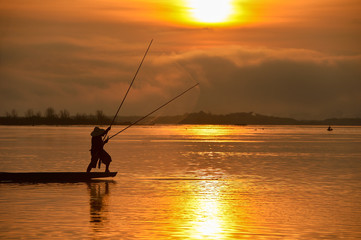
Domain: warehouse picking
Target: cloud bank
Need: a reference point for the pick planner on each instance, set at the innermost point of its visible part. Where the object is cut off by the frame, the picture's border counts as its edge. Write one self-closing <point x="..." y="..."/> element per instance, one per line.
<point x="285" y="82"/>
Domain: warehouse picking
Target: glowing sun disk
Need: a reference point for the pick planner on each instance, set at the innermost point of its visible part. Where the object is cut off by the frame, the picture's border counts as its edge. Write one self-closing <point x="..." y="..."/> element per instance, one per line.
<point x="210" y="11"/>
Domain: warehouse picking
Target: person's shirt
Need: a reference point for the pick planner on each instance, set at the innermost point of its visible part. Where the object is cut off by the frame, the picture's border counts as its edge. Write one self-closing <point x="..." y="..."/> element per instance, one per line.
<point x="97" y="143"/>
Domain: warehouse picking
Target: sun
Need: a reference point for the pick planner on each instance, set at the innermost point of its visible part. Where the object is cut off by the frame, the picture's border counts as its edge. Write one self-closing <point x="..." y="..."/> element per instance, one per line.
<point x="210" y="11"/>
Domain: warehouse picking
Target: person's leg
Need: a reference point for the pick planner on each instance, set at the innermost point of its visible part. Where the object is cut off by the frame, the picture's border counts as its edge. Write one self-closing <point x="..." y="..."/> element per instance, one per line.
<point x="89" y="167"/>
<point x="93" y="163"/>
<point x="106" y="159"/>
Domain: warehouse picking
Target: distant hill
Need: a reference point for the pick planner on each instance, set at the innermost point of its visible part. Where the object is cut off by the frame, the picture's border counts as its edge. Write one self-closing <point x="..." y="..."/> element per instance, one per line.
<point x="236" y="119"/>
<point x="201" y="117"/>
<point x="249" y="118"/>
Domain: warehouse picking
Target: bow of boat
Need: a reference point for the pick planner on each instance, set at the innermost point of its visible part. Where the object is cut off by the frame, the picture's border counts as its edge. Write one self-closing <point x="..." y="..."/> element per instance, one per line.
<point x="53" y="176"/>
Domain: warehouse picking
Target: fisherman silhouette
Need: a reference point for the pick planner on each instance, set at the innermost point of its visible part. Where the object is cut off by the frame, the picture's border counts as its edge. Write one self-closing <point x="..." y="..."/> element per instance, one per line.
<point x="97" y="151"/>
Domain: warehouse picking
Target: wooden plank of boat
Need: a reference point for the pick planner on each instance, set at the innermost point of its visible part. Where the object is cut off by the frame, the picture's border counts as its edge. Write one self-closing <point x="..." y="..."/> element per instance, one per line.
<point x="53" y="176"/>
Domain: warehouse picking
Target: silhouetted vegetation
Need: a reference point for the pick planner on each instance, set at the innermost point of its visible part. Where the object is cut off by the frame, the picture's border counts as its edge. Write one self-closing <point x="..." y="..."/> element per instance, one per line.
<point x="63" y="117"/>
<point x="50" y="117"/>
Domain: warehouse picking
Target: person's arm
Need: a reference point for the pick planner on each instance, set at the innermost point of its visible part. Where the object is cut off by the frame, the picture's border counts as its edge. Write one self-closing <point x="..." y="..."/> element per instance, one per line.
<point x="105" y="133"/>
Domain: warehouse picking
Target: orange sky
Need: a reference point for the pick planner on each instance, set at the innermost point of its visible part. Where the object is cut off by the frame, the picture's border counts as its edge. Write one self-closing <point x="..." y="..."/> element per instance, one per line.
<point x="290" y="58"/>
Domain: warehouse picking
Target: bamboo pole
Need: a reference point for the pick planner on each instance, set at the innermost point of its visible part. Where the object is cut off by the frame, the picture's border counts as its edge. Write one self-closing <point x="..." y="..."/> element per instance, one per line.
<point x="154" y="110"/>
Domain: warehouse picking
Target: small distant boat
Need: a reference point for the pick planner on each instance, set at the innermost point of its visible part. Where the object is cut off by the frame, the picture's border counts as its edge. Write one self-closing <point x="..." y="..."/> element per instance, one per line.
<point x="329" y="128"/>
<point x="53" y="176"/>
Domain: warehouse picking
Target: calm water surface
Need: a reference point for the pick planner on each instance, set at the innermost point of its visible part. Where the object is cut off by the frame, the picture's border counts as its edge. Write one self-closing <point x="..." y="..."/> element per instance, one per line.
<point x="187" y="182"/>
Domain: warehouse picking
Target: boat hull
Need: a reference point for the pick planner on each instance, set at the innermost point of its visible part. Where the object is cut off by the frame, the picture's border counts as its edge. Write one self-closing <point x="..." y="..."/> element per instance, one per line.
<point x="53" y="176"/>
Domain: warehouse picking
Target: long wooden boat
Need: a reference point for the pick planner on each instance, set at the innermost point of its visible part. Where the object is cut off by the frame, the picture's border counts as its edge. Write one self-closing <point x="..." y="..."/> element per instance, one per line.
<point x="53" y="176"/>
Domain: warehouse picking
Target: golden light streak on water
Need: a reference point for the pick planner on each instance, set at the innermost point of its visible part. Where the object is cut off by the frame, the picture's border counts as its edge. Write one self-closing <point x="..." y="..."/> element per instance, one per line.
<point x="209" y="214"/>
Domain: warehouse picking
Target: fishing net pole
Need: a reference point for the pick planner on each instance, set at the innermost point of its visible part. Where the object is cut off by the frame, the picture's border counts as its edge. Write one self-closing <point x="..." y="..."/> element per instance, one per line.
<point x="126" y="94"/>
<point x="165" y="104"/>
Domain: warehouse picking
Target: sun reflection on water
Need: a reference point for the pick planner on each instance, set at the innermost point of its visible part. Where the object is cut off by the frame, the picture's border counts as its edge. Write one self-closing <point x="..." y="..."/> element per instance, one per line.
<point x="209" y="130"/>
<point x="209" y="218"/>
<point x="208" y="221"/>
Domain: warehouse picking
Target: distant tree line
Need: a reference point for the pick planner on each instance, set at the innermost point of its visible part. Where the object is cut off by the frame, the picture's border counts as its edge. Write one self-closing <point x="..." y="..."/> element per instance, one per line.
<point x="51" y="117"/>
<point x="63" y="117"/>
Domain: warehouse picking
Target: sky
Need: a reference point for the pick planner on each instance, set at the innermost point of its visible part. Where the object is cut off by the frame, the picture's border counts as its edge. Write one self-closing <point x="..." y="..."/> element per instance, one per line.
<point x="299" y="59"/>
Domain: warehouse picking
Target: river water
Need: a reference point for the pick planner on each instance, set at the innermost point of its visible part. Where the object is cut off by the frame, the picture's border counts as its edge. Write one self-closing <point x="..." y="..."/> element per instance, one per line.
<point x="186" y="182"/>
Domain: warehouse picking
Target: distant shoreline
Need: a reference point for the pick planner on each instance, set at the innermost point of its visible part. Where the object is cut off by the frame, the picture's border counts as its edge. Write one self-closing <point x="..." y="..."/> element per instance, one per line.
<point x="199" y="118"/>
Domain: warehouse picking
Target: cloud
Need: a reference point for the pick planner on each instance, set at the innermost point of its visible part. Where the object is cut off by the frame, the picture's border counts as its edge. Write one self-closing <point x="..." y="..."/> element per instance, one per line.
<point x="288" y="82"/>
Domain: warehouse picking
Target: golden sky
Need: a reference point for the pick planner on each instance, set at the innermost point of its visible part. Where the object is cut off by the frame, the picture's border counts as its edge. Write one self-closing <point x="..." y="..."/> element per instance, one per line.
<point x="290" y="58"/>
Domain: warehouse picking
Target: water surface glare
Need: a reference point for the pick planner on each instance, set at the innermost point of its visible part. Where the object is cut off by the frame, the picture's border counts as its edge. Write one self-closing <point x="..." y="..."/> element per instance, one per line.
<point x="186" y="182"/>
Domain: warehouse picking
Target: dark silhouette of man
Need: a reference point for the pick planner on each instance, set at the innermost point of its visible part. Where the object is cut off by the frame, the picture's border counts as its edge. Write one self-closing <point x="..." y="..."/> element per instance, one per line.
<point x="97" y="151"/>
